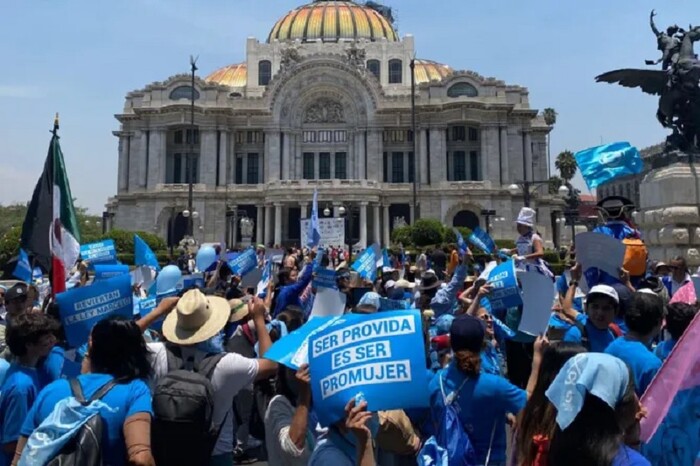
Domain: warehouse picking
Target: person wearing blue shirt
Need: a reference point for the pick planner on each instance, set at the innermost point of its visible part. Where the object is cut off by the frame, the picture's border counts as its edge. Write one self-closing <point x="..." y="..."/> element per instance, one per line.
<point x="117" y="352"/>
<point x="30" y="338"/>
<point x="290" y="288"/>
<point x="484" y="399"/>
<point x="644" y="318"/>
<point x="442" y="300"/>
<point x="679" y="276"/>
<point x="678" y="318"/>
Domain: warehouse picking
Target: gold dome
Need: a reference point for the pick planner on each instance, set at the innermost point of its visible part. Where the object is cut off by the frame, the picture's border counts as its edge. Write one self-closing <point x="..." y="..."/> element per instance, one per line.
<point x="232" y="75"/>
<point x="428" y="70"/>
<point x="331" y="21"/>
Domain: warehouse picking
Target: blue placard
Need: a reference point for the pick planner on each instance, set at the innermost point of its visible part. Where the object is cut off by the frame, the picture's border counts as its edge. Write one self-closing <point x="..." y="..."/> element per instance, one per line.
<point x="505" y="292"/>
<point x="105" y="271"/>
<point x="480" y="239"/>
<point x="147" y="305"/>
<point x="196" y="280"/>
<point x="103" y="252"/>
<point x="292" y="350"/>
<point x="244" y="262"/>
<point x="324" y="278"/>
<point x="379" y="355"/>
<point x="366" y="264"/>
<point x="386" y="304"/>
<point x="81" y="308"/>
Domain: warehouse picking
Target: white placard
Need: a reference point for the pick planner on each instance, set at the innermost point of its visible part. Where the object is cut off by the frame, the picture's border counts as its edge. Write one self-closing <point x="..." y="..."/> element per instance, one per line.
<point x="601" y="251"/>
<point x="332" y="231"/>
<point x="328" y="302"/>
<point x="537" y="302"/>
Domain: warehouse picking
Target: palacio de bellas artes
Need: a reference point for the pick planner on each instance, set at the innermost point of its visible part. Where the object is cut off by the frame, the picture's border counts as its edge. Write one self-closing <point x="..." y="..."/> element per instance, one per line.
<point x="325" y="101"/>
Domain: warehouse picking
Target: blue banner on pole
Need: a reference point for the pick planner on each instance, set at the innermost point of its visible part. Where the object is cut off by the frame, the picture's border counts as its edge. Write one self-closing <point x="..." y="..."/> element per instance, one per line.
<point x="366" y="264"/>
<point x="103" y="252"/>
<point x="380" y="356"/>
<point x="505" y="292"/>
<point x="81" y="308"/>
<point x="482" y="240"/>
<point x="324" y="278"/>
<point x="292" y="350"/>
<point x="105" y="271"/>
<point x="244" y="262"/>
<point x="313" y="235"/>
<point x="23" y="269"/>
<point x="601" y="164"/>
<point x="461" y="244"/>
<point x="144" y="255"/>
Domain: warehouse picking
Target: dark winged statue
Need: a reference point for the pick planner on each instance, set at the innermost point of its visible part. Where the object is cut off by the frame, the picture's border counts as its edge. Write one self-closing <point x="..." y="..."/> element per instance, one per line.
<point x="676" y="84"/>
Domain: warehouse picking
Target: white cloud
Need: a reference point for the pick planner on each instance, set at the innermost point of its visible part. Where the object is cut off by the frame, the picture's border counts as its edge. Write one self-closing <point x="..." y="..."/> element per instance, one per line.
<point x="20" y="92"/>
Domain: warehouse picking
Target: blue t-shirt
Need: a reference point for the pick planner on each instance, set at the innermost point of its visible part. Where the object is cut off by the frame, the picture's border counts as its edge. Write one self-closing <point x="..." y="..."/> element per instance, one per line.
<point x="598" y="339"/>
<point x="629" y="457"/>
<point x="51" y="367"/>
<point x="483" y="403"/>
<point x="643" y="363"/>
<point x="563" y="288"/>
<point x="128" y="399"/>
<point x="491" y="360"/>
<point x="19" y="390"/>
<point x="664" y="348"/>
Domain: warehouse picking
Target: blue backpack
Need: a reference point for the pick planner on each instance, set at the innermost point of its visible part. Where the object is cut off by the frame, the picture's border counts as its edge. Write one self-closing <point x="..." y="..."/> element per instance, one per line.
<point x="450" y="446"/>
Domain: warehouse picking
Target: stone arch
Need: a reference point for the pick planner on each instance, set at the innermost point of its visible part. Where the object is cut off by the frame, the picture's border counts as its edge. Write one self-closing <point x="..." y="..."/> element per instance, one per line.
<point x="463" y="215"/>
<point x="163" y="223"/>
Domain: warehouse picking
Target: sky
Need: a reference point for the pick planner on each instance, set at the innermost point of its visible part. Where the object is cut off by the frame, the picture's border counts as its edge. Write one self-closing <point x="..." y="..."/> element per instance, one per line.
<point x="81" y="57"/>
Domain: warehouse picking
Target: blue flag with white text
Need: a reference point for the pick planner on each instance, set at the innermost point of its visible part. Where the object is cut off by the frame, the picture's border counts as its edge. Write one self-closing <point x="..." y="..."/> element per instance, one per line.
<point x="244" y="262"/>
<point x="144" y="255"/>
<point x="313" y="236"/>
<point x="23" y="269"/>
<point x="366" y="264"/>
<point x="482" y="240"/>
<point x="604" y="163"/>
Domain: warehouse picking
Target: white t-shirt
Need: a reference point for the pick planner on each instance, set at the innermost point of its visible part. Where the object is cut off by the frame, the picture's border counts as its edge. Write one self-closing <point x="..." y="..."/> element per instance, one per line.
<point x="281" y="450"/>
<point x="231" y="374"/>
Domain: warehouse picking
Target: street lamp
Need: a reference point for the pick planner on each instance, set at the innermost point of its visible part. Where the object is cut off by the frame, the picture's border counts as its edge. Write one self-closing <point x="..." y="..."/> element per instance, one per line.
<point x="527" y="188"/>
<point x="326" y="212"/>
<point x="487" y="214"/>
<point x="348" y="212"/>
<point x="190" y="155"/>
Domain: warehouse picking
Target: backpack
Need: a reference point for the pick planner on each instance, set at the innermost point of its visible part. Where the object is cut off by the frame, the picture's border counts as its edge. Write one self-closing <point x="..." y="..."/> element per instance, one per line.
<point x="182" y="428"/>
<point x="450" y="435"/>
<point x="636" y="253"/>
<point x="72" y="434"/>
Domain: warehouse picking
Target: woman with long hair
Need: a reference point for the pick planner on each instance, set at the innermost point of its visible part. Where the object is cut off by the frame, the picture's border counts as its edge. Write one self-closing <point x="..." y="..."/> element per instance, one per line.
<point x="117" y="359"/>
<point x="596" y="410"/>
<point x="535" y="424"/>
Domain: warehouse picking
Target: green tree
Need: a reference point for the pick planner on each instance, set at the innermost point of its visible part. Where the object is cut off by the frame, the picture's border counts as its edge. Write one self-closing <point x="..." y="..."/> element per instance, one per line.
<point x="554" y="183"/>
<point x="9" y="244"/>
<point x="567" y="166"/>
<point x="402" y="235"/>
<point x="427" y="232"/>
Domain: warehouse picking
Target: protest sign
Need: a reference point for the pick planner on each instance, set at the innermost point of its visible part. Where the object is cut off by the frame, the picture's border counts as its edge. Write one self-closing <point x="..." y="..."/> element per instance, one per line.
<point x="275" y="255"/>
<point x="537" y="302"/>
<point x="195" y="280"/>
<point x="244" y="262"/>
<point x="292" y="350"/>
<point x="103" y="252"/>
<point x="146" y="306"/>
<point x="81" y="308"/>
<point x="251" y="279"/>
<point x="366" y="264"/>
<point x="105" y="271"/>
<point x="600" y="251"/>
<point x="144" y="276"/>
<point x="480" y="239"/>
<point x="505" y="292"/>
<point x="378" y="355"/>
<point x="325" y="278"/>
<point x="386" y="304"/>
<point x="328" y="302"/>
<point x="670" y="428"/>
<point x="265" y="279"/>
<point x="332" y="231"/>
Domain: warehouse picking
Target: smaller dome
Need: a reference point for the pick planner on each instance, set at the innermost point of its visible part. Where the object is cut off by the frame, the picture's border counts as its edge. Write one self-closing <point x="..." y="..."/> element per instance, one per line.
<point x="428" y="70"/>
<point x="232" y="75"/>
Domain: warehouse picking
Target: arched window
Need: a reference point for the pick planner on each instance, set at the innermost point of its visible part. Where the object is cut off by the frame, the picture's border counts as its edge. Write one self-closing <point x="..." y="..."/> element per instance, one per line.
<point x="395" y="71"/>
<point x="462" y="89"/>
<point x="375" y="67"/>
<point x="465" y="218"/>
<point x="264" y="72"/>
<point x="183" y="92"/>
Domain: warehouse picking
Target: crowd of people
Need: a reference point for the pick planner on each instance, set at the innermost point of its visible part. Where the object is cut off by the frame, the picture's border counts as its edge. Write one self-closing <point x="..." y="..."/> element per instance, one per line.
<point x="567" y="397"/>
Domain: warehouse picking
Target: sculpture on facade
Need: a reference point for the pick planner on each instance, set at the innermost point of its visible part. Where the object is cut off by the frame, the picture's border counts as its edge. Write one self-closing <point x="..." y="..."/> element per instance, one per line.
<point x="247" y="226"/>
<point x="676" y="84"/>
<point x="324" y="110"/>
<point x="356" y="56"/>
<point x="399" y="221"/>
<point x="290" y="56"/>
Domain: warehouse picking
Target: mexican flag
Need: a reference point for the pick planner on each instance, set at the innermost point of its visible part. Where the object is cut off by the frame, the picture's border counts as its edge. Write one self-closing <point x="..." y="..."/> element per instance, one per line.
<point x="50" y="230"/>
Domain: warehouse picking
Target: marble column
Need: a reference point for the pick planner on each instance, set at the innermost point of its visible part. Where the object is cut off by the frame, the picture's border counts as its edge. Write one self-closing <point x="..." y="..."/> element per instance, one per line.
<point x="304" y="210"/>
<point x="387" y="238"/>
<point x="157" y="159"/>
<point x="422" y="156"/>
<point x="137" y="161"/>
<point x="412" y="214"/>
<point x="363" y="225"/>
<point x="223" y="157"/>
<point x="527" y="141"/>
<point x="377" y="224"/>
<point x="268" y="225"/>
<point x="360" y="157"/>
<point x="504" y="171"/>
<point x="121" y="185"/>
<point x="234" y="227"/>
<point x="286" y="154"/>
<point x="351" y="169"/>
<point x="207" y="158"/>
<point x="272" y="156"/>
<point x="278" y="224"/>
<point x="438" y="148"/>
<point x="259" y="225"/>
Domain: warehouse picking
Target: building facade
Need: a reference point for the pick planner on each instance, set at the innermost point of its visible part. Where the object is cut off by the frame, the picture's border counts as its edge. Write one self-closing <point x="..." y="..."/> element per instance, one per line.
<point x="325" y="102"/>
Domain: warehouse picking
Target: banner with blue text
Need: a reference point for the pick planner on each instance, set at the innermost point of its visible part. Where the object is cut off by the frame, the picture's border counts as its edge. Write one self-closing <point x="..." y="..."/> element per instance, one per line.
<point x="105" y="271"/>
<point x="380" y="356"/>
<point x="505" y="292"/>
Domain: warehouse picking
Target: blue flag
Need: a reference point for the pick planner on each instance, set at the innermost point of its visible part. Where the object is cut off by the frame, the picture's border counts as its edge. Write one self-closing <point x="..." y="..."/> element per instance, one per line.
<point x="143" y="255"/>
<point x="313" y="236"/>
<point x="366" y="264"/>
<point x="604" y="163"/>
<point x="480" y="239"/>
<point x="386" y="261"/>
<point x="461" y="244"/>
<point x="23" y="269"/>
<point x="244" y="262"/>
<point x="265" y="280"/>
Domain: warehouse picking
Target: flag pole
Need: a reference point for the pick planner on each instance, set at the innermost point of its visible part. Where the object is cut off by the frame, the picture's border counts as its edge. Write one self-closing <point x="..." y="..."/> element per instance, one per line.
<point x="54" y="132"/>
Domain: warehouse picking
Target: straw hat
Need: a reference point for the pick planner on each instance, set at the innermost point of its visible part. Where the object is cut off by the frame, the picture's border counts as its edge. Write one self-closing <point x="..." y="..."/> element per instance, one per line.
<point x="239" y="310"/>
<point x="196" y="318"/>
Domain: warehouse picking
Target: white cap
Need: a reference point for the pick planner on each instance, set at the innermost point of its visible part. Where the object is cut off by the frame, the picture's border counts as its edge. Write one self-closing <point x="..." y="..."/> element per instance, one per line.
<point x="606" y="291"/>
<point x="390" y="284"/>
<point x="526" y="217"/>
<point x="403" y="283"/>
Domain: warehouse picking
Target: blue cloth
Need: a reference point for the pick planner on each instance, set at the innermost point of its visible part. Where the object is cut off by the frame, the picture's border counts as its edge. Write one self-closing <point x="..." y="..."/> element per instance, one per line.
<point x="23" y="270"/>
<point x="446" y="298"/>
<point x="643" y="363"/>
<point x="326" y="453"/>
<point x="128" y="399"/>
<point x="629" y="457"/>
<point x="598" y="339"/>
<point x="4" y="367"/>
<point x="483" y="403"/>
<point x="491" y="360"/>
<point x="313" y="234"/>
<point x="607" y="162"/>
<point x="19" y="390"/>
<point x="602" y="375"/>
<point x="51" y="367"/>
<point x="289" y="294"/>
<point x="664" y="348"/>
<point x="618" y="229"/>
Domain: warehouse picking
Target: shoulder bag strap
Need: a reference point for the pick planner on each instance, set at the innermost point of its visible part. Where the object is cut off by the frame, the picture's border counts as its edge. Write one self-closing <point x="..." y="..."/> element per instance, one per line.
<point x="208" y="364"/>
<point x="174" y="357"/>
<point x="77" y="391"/>
<point x="102" y="391"/>
<point x="448" y="399"/>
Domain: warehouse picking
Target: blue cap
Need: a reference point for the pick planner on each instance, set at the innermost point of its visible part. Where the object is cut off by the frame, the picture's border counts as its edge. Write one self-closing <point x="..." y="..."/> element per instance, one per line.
<point x="443" y="323"/>
<point x="467" y="333"/>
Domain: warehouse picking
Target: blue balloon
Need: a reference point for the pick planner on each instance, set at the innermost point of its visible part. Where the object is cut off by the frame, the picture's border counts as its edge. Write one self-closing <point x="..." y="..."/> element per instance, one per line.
<point x="205" y="257"/>
<point x="167" y="279"/>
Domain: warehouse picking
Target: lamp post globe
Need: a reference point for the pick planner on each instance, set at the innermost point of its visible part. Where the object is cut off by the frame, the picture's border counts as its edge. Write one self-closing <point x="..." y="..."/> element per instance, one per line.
<point x="514" y="189"/>
<point x="186" y="213"/>
<point x="195" y="214"/>
<point x="563" y="191"/>
<point x="341" y="210"/>
<point x="327" y="212"/>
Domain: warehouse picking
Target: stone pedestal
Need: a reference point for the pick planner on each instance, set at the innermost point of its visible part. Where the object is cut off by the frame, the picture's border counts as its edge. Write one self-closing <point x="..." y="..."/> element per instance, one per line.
<point x="668" y="215"/>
